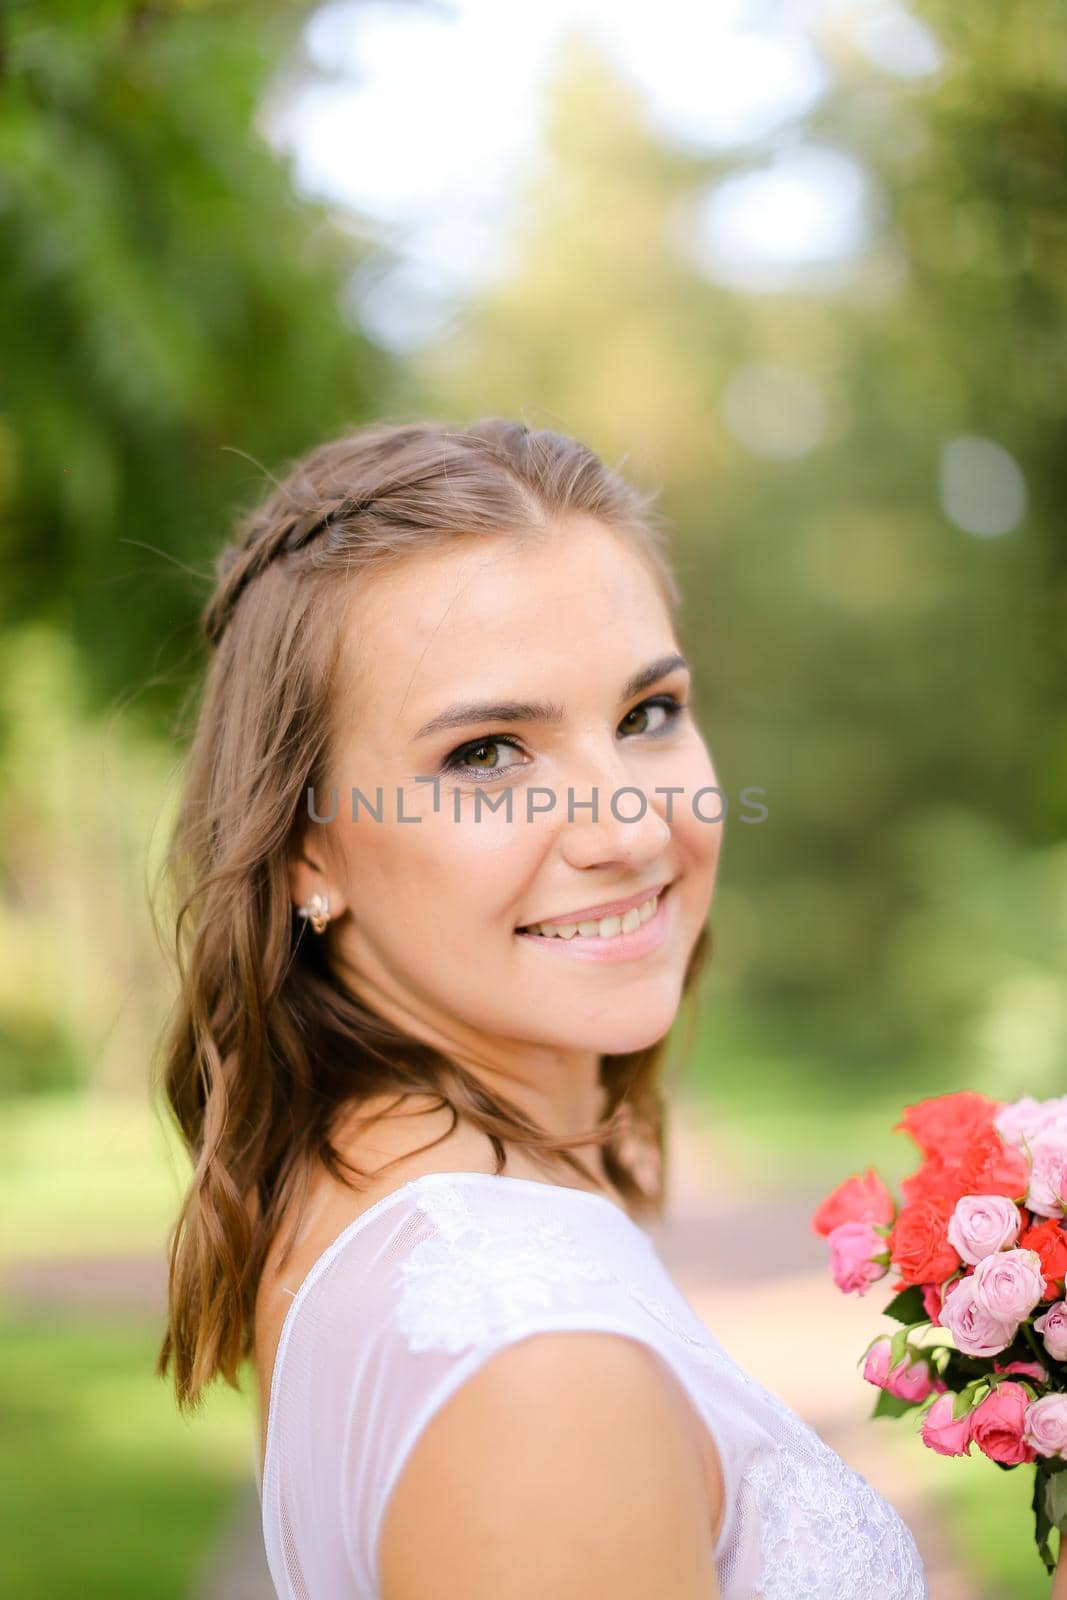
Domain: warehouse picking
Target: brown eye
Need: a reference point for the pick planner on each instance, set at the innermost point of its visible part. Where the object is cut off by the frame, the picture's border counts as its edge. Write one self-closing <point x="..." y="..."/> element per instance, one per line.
<point x="667" y="704"/>
<point x="469" y="757"/>
<point x="476" y="750"/>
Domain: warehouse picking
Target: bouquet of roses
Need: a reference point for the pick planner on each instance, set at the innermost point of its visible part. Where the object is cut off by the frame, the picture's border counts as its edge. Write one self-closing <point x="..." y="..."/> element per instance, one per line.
<point x="978" y="1246"/>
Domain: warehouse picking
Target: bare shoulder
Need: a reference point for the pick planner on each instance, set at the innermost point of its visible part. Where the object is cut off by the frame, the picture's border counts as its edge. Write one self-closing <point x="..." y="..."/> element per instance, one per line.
<point x="567" y="1465"/>
<point x="392" y="1140"/>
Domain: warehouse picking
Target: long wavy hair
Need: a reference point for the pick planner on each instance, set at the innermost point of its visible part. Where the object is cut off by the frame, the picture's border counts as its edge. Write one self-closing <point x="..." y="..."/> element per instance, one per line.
<point x="264" y="1045"/>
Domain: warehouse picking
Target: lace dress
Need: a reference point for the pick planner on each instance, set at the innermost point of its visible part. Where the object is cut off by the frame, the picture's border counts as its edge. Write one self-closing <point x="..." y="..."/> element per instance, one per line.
<point x="425" y="1285"/>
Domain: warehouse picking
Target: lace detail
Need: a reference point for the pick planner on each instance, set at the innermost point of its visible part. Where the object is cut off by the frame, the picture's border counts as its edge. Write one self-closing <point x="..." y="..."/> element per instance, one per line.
<point x="472" y="1281"/>
<point x="825" y="1534"/>
<point x="475" y="1280"/>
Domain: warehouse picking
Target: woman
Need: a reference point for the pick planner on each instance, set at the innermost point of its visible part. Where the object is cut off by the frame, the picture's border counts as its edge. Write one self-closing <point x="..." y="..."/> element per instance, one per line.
<point x="447" y="850"/>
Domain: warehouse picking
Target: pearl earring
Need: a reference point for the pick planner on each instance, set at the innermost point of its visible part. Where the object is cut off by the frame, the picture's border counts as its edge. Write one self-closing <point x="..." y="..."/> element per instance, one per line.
<point x="317" y="912"/>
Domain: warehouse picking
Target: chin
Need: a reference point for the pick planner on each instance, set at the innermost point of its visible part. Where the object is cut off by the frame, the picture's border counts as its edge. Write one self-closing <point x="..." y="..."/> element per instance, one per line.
<point x="625" y="1033"/>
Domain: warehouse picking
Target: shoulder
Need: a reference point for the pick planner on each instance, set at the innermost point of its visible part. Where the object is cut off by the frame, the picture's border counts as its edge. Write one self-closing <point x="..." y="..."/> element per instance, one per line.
<point x="572" y="1468"/>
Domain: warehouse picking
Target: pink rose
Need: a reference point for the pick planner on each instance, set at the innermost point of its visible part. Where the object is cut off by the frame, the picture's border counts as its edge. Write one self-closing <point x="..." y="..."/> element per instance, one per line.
<point x="876" y="1366"/>
<point x="975" y="1329"/>
<point x="1053" y="1329"/>
<point x="1009" y="1284"/>
<point x="1047" y="1195"/>
<point x="947" y="1435"/>
<point x="983" y="1224"/>
<point x="1046" y="1425"/>
<point x="1025" y="1369"/>
<point x="932" y="1302"/>
<point x="997" y="1425"/>
<point x="1023" y="1120"/>
<point x="912" y="1380"/>
<point x="853" y="1245"/>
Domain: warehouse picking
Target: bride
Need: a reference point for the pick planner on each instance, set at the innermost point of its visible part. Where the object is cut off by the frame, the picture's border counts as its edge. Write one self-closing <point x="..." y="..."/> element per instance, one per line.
<point x="445" y="859"/>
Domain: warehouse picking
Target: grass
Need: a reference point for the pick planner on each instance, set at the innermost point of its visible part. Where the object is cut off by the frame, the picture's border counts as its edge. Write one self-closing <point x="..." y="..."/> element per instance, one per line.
<point x="86" y="1174"/>
<point x="108" y="1494"/>
<point x="990" y="1517"/>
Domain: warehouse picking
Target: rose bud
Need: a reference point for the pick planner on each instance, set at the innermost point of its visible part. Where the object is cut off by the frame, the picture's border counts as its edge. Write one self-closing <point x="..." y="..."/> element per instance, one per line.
<point x="948" y="1435"/>
<point x="1045" y="1428"/>
<point x="997" y="1425"/>
<point x="1053" y="1329"/>
<point x="853" y="1246"/>
<point x="876" y="1365"/>
<point x="911" y="1379"/>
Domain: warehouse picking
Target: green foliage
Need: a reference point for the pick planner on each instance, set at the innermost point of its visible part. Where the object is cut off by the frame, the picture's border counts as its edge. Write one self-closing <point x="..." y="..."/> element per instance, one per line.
<point x="895" y="684"/>
<point x="92" y="1437"/>
<point x="169" y="317"/>
<point x="907" y="1306"/>
<point x="890" y="1405"/>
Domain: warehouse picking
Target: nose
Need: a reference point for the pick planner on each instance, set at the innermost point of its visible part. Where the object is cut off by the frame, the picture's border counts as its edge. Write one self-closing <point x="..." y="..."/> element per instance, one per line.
<point x="611" y="819"/>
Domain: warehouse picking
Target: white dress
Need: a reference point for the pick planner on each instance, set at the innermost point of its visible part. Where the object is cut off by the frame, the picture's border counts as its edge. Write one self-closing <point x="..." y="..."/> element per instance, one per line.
<point x="415" y="1294"/>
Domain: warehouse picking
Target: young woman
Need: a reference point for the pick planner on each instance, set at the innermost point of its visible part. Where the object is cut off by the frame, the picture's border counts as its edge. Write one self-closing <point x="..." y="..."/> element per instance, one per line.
<point x="446" y="854"/>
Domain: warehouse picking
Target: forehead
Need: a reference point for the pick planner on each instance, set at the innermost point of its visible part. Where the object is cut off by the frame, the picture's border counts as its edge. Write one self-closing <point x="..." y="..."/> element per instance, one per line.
<point x="474" y="615"/>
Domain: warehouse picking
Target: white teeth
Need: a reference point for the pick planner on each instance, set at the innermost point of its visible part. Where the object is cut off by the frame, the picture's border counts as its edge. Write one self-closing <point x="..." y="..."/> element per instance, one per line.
<point x="605" y="928"/>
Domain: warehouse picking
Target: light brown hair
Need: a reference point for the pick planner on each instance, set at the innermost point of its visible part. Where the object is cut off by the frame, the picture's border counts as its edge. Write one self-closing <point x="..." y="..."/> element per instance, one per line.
<point x="264" y="1046"/>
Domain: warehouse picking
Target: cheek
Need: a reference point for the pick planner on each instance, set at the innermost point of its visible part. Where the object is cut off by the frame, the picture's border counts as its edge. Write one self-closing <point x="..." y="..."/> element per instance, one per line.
<point x="699" y="813"/>
<point x="439" y="874"/>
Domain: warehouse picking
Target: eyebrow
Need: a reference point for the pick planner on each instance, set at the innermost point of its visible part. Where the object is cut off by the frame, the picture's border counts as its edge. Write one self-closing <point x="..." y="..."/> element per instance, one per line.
<point x="467" y="711"/>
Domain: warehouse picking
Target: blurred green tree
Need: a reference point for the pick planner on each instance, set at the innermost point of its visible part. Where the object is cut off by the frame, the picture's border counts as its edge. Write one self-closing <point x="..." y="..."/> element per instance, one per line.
<point x="888" y="676"/>
<point x="170" y="318"/>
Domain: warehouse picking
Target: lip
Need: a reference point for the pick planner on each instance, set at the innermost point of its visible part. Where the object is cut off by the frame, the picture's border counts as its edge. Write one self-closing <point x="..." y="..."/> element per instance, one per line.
<point x="645" y="939"/>
<point x="597" y="913"/>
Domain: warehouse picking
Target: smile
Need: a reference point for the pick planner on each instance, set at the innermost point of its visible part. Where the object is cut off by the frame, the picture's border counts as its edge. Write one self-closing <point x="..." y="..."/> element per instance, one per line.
<point x="638" y="932"/>
<point x="597" y="927"/>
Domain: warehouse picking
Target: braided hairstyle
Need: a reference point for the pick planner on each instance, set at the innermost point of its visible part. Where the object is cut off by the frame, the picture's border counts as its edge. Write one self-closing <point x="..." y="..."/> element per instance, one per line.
<point x="265" y="1046"/>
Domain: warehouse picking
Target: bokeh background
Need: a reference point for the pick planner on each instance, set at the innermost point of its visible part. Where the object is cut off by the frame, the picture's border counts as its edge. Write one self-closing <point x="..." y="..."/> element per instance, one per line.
<point x="803" y="267"/>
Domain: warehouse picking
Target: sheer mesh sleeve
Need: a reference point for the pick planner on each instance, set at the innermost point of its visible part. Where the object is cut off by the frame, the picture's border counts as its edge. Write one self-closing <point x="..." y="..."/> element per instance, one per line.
<point x="428" y="1284"/>
<point x="391" y="1322"/>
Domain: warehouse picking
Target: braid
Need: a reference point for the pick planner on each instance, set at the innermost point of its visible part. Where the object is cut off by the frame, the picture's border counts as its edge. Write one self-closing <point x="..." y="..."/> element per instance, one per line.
<point x="266" y="537"/>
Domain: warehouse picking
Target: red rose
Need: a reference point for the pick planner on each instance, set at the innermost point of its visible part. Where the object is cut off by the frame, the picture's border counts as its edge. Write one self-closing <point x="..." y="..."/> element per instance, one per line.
<point x="1049" y="1239"/>
<point x="858" y="1199"/>
<point x="992" y="1167"/>
<point x="949" y="1124"/>
<point x="935" y="1179"/>
<point x="988" y="1166"/>
<point x="932" y="1302"/>
<point x="919" y="1245"/>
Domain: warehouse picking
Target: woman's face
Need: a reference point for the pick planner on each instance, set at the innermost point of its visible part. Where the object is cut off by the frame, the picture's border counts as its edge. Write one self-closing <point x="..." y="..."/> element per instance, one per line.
<point x="436" y="898"/>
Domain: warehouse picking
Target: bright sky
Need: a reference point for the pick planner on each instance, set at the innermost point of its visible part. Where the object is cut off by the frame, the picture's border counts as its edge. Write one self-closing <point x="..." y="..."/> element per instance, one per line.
<point x="426" y="114"/>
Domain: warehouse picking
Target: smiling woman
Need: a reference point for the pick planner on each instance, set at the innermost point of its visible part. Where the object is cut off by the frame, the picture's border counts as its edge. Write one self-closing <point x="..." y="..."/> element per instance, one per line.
<point x="375" y="1020"/>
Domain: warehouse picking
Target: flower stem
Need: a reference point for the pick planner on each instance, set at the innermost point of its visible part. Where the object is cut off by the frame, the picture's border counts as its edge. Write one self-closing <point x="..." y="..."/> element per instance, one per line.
<point x="1029" y="1336"/>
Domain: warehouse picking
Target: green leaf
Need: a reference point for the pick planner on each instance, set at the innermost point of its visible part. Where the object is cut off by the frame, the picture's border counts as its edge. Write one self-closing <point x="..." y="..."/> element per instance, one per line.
<point x="1042" y="1521"/>
<point x="962" y="1403"/>
<point x="898" y="1347"/>
<point x="888" y="1405"/>
<point x="907" y="1306"/>
<point x="1056" y="1498"/>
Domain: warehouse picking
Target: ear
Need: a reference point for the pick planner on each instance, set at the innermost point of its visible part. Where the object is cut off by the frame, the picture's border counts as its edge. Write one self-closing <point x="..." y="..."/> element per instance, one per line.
<point x="312" y="871"/>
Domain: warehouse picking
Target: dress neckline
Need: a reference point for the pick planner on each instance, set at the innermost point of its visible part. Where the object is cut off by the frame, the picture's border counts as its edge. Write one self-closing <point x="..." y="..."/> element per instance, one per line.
<point x="332" y="1250"/>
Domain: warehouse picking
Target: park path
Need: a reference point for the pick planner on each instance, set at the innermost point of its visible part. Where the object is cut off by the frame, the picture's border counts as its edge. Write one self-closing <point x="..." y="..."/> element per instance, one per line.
<point x="754" y="1273"/>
